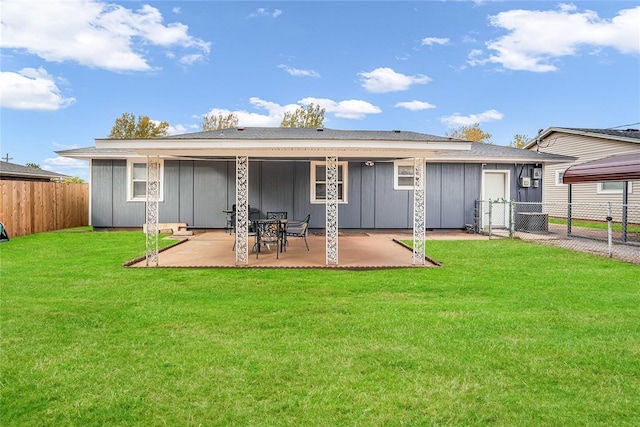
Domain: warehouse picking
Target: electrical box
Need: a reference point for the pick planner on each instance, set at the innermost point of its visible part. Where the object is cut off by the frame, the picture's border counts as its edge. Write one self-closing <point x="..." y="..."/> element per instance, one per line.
<point x="537" y="173"/>
<point x="525" y="182"/>
<point x="536" y="183"/>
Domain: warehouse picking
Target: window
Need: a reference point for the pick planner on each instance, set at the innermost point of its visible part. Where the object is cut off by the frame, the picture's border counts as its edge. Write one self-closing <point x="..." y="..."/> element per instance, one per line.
<point x="319" y="182"/>
<point x="559" y="176"/>
<point x="137" y="180"/>
<point x="612" y="188"/>
<point x="403" y="174"/>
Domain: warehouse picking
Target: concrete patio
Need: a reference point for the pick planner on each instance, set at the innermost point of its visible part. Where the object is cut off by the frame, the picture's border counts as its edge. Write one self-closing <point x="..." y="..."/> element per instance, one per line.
<point x="356" y="250"/>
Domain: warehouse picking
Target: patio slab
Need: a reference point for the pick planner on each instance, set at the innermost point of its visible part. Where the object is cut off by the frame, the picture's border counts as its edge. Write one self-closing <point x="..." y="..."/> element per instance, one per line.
<point x="359" y="250"/>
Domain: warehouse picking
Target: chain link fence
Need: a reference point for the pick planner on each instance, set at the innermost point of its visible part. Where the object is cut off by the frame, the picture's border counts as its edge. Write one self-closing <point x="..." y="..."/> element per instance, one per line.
<point x="605" y="229"/>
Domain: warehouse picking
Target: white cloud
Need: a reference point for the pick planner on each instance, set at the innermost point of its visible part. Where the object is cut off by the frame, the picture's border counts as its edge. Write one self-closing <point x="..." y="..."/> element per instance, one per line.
<point x="456" y="120"/>
<point x="180" y="129"/>
<point x="296" y="72"/>
<point x="428" y="41"/>
<point x="536" y="39"/>
<point x="261" y="11"/>
<point x="91" y="33"/>
<point x="31" y="89"/>
<point x="67" y="166"/>
<point x="347" y="109"/>
<point x="382" y="80"/>
<point x="192" y="58"/>
<point x="415" y="105"/>
<point x="272" y="118"/>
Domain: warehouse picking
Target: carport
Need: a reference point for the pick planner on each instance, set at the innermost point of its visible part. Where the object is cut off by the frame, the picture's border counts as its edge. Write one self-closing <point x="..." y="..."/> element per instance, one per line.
<point x="619" y="168"/>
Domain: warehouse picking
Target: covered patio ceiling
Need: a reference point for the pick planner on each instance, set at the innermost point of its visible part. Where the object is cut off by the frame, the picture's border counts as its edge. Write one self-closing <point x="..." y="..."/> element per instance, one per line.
<point x="622" y="167"/>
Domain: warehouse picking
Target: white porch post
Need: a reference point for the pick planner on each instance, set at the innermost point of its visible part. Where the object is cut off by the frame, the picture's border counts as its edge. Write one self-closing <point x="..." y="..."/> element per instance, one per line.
<point x="242" y="209"/>
<point x="331" y="205"/>
<point x="151" y="216"/>
<point x="418" y="211"/>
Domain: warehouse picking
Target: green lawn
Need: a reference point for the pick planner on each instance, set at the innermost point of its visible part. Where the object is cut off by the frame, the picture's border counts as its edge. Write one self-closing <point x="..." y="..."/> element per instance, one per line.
<point x="600" y="225"/>
<point x="505" y="333"/>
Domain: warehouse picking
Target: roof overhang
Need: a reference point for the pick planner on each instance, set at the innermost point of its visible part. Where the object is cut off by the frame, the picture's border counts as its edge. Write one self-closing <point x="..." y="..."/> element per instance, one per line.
<point x="282" y="148"/>
<point x="624" y="167"/>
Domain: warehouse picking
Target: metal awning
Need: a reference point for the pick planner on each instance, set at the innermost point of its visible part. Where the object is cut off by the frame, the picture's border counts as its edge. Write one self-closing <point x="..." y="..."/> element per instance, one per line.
<point x="623" y="167"/>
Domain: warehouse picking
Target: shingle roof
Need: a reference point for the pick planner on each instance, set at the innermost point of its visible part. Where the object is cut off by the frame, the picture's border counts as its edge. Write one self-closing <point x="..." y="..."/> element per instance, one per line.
<point x="621" y="133"/>
<point x="15" y="170"/>
<point x="627" y="135"/>
<point x="267" y="133"/>
<point x="500" y="153"/>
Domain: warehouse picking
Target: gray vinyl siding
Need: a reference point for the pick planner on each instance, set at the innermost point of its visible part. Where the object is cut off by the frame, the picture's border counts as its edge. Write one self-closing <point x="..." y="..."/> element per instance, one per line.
<point x="451" y="192"/>
<point x="102" y="193"/>
<point x="197" y="192"/>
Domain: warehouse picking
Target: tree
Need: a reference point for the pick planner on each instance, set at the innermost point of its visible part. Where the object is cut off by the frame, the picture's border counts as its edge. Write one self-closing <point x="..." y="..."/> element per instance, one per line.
<point x="519" y="141"/>
<point x="73" y="180"/>
<point x="471" y="133"/>
<point x="33" y="165"/>
<point x="126" y="126"/>
<point x="310" y="117"/>
<point x="212" y="122"/>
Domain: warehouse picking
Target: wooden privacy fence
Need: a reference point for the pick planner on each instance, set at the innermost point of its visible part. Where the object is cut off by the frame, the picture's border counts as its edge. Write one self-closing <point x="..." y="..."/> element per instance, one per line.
<point x="28" y="207"/>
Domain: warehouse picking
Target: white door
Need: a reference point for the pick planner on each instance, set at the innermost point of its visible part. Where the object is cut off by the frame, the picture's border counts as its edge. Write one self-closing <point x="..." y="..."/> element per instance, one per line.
<point x="495" y="187"/>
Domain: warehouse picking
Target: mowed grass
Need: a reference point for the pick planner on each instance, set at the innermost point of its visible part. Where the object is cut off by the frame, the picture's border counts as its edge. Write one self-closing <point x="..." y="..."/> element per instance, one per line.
<point x="505" y="333"/>
<point x="599" y="225"/>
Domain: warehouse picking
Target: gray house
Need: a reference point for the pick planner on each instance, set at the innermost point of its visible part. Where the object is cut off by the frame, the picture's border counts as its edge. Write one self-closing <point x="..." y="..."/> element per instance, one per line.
<point x="287" y="172"/>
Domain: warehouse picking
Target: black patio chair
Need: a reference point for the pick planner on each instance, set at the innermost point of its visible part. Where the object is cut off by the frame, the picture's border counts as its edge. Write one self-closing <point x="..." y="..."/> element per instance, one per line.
<point x="298" y="229"/>
<point x="269" y="232"/>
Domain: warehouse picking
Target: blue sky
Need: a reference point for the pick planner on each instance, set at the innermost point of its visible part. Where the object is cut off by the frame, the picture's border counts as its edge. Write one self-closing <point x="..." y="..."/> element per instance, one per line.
<point x="70" y="68"/>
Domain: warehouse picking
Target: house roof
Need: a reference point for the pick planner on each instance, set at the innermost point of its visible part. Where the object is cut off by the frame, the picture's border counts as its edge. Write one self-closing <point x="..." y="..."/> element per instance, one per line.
<point x="275" y="142"/>
<point x="310" y="143"/>
<point x="501" y="154"/>
<point x="14" y="170"/>
<point x="301" y="134"/>
<point x="623" y="167"/>
<point x="625" y="135"/>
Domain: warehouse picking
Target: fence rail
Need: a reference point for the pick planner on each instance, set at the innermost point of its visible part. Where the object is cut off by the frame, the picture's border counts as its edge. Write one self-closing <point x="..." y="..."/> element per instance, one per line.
<point x="607" y="229"/>
<point x="28" y="207"/>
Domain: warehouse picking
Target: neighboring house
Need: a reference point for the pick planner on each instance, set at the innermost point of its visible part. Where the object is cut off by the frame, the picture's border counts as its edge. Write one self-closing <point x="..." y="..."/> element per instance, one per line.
<point x="15" y="172"/>
<point x="585" y="145"/>
<point x="287" y="173"/>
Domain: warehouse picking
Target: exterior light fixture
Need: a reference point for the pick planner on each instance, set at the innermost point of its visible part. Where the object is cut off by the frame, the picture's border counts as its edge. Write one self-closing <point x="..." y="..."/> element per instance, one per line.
<point x="368" y="163"/>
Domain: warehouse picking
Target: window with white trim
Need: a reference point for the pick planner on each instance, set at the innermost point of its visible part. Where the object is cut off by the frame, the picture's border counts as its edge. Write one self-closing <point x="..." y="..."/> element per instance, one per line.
<point x="403" y="175"/>
<point x="319" y="182"/>
<point x="137" y="180"/>
<point x="559" y="176"/>
<point x="612" y="188"/>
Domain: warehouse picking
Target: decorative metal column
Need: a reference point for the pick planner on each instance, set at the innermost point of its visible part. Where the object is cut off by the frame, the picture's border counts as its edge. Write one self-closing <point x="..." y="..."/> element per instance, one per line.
<point x="242" y="209"/>
<point x="418" y="211"/>
<point x="331" y="204"/>
<point x="151" y="220"/>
